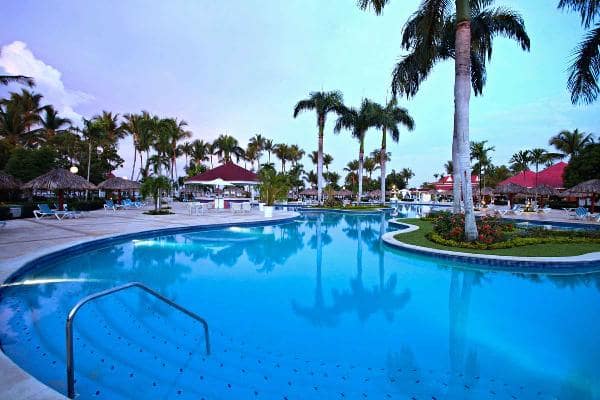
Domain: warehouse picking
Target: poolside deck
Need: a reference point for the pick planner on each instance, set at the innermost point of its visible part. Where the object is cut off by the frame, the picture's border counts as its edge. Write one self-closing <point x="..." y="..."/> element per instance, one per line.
<point x="25" y="239"/>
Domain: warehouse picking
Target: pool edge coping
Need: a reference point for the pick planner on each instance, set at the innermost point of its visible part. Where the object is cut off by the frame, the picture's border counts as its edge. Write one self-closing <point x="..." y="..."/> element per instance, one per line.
<point x="15" y="382"/>
<point x="587" y="261"/>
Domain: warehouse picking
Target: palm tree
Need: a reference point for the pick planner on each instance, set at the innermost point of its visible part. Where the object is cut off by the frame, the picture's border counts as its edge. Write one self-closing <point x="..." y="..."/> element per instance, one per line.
<point x="583" y="77"/>
<point x="322" y="103"/>
<point x="282" y="151"/>
<point x="252" y="153"/>
<point x="269" y="146"/>
<point x="388" y="119"/>
<point x="327" y="160"/>
<point x="570" y="143"/>
<point x="520" y="162"/>
<point x="462" y="30"/>
<point x="132" y="125"/>
<point x="296" y="154"/>
<point x="370" y="165"/>
<point x="52" y="124"/>
<point x="352" y="169"/>
<point x="200" y="152"/>
<point x="537" y="156"/>
<point x="186" y="149"/>
<point x="479" y="152"/>
<point x="226" y="147"/>
<point x="358" y="122"/>
<point x="177" y="132"/>
<point x="406" y="174"/>
<point x="113" y="131"/>
<point x="449" y="167"/>
<point x="258" y="141"/>
<point x="21" y="112"/>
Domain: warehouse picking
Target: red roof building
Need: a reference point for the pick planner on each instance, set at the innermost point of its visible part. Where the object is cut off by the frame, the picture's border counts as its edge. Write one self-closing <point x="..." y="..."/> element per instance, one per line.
<point x="229" y="172"/>
<point x="551" y="176"/>
<point x="446" y="182"/>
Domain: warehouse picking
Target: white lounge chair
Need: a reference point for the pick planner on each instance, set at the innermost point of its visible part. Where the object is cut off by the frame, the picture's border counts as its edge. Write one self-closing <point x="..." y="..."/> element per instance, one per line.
<point x="236" y="207"/>
<point x="246" y="207"/>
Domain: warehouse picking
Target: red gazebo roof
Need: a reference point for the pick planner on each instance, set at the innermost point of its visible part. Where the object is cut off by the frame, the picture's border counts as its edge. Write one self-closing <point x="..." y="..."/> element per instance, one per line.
<point x="446" y="182"/>
<point x="229" y="172"/>
<point x="551" y="176"/>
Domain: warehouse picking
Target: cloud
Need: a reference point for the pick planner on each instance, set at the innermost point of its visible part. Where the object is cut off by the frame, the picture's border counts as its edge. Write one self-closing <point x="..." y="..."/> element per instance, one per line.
<point x="17" y="59"/>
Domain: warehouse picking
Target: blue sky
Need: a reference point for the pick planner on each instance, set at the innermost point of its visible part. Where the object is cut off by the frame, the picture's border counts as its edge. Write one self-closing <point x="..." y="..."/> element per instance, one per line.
<point x="239" y="66"/>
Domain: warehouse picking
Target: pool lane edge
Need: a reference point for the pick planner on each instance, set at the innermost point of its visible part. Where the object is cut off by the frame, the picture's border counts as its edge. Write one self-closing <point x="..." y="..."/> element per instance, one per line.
<point x="584" y="263"/>
<point x="15" y="382"/>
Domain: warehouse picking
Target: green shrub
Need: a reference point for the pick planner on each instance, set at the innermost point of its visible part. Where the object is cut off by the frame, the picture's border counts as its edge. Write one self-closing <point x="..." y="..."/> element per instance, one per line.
<point x="507" y="244"/>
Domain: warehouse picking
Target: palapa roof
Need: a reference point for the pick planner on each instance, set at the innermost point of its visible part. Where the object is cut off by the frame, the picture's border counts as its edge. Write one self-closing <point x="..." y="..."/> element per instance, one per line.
<point x="308" y="192"/>
<point x="487" y="191"/>
<point x="544" y="190"/>
<point x="229" y="172"/>
<point x="551" y="176"/>
<point x="8" y="182"/>
<point x="584" y="189"/>
<point x="59" y="179"/>
<point x="510" y="188"/>
<point x="116" y="183"/>
<point x="343" y="192"/>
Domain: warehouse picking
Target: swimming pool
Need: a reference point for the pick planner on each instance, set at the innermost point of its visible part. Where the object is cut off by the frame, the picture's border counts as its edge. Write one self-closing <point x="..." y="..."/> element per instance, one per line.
<point x="316" y="308"/>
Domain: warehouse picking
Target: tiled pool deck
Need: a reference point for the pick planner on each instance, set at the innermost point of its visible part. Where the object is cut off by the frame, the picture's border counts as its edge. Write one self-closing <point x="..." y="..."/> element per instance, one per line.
<point x="24" y="240"/>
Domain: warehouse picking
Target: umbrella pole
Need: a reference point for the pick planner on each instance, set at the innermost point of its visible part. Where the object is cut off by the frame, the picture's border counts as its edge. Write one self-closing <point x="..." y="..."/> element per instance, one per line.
<point x="61" y="200"/>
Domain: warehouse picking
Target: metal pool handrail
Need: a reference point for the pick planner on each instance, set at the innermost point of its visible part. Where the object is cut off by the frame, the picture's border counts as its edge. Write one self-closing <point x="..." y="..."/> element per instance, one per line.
<point x="82" y="302"/>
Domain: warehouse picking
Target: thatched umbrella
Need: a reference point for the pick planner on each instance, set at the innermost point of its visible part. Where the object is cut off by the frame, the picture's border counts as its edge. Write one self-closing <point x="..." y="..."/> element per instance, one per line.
<point x="585" y="189"/>
<point x="487" y="191"/>
<point x="343" y="193"/>
<point x="308" y="192"/>
<point x="59" y="180"/>
<point x="8" y="182"/>
<point x="510" y="189"/>
<point x="119" y="184"/>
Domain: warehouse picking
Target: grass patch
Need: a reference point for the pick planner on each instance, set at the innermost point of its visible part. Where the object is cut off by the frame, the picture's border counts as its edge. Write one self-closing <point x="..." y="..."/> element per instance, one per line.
<point x="418" y="238"/>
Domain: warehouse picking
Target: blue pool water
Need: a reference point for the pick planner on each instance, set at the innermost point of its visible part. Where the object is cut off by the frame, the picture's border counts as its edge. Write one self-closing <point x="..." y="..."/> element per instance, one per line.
<point x="316" y="308"/>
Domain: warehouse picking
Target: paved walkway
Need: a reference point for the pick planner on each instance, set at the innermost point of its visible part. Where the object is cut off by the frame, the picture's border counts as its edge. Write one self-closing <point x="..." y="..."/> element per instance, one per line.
<point x="23" y="240"/>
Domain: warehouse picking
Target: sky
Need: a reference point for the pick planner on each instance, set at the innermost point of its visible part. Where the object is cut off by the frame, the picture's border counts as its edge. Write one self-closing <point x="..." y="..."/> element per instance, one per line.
<point x="238" y="67"/>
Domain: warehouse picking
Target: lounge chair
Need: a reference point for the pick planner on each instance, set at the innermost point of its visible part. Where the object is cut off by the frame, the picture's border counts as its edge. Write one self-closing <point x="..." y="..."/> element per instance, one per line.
<point x="236" y="207"/>
<point x="246" y="207"/>
<point x="43" y="211"/>
<point x="110" y="205"/>
<point x="582" y="213"/>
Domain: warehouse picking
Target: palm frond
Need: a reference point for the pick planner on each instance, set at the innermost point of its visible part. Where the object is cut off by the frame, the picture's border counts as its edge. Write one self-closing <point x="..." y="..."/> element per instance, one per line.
<point x="587" y="9"/>
<point x="377" y="5"/>
<point x="26" y="80"/>
<point x="583" y="78"/>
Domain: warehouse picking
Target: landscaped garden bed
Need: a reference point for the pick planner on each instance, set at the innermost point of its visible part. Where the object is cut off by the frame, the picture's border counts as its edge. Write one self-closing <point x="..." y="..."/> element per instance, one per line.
<point x="445" y="231"/>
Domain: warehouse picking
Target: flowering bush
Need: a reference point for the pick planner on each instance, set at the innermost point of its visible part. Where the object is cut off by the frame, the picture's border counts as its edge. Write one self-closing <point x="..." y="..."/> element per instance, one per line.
<point x="491" y="229"/>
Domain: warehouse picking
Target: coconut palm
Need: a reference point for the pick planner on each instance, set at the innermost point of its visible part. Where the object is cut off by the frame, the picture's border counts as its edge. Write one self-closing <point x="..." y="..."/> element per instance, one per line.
<point x="282" y="151"/>
<point x="269" y="146"/>
<point x="200" y="152"/>
<point x="570" y="143"/>
<point x="352" y="169"/>
<point x="406" y="174"/>
<point x="258" y="141"/>
<point x="20" y="114"/>
<point x="520" y="161"/>
<point x="358" y="123"/>
<point x="462" y="30"/>
<point x="51" y="124"/>
<point x="537" y="156"/>
<point x="132" y="125"/>
<point x="583" y="77"/>
<point x="296" y="154"/>
<point x="389" y="118"/>
<point x="322" y="103"/>
<point x="479" y="153"/>
<point x="186" y="150"/>
<point x="113" y="130"/>
<point x="227" y="147"/>
<point x="252" y="153"/>
<point x="370" y="165"/>
<point x="177" y="132"/>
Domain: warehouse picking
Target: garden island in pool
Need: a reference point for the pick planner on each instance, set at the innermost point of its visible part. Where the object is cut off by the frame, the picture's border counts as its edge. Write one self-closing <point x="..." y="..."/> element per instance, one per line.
<point x="315" y="307"/>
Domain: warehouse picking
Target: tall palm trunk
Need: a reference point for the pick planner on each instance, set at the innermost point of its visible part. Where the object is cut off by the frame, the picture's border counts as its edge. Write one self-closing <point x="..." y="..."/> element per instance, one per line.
<point x="383" y="161"/>
<point x="462" y="94"/>
<point x="361" y="156"/>
<point x="134" y="159"/>
<point x="456" y="174"/>
<point x="320" y="162"/>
